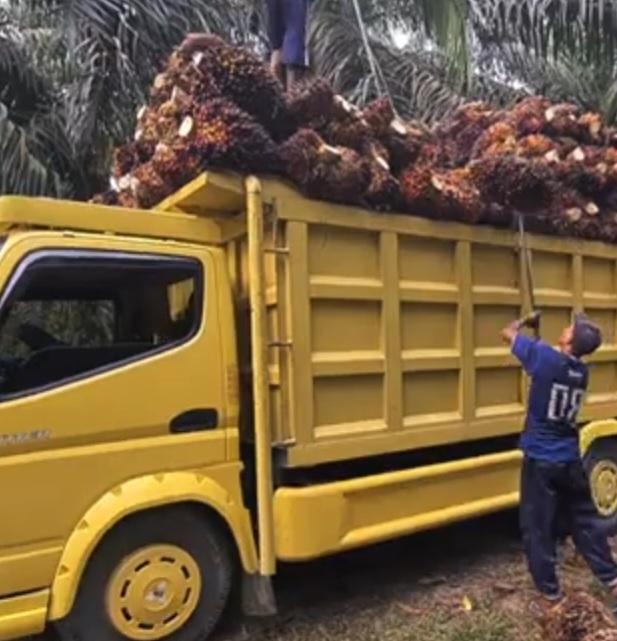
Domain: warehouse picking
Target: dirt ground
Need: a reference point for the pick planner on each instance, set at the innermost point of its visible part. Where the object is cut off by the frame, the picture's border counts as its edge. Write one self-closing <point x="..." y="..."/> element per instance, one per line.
<point x="465" y="583"/>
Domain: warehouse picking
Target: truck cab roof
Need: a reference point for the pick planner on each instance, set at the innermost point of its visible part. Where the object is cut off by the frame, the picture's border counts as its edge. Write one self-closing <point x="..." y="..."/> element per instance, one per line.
<point x="203" y="212"/>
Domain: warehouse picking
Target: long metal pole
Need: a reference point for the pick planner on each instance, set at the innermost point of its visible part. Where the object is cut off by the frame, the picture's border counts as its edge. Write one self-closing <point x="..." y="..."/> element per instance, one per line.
<point x="261" y="387"/>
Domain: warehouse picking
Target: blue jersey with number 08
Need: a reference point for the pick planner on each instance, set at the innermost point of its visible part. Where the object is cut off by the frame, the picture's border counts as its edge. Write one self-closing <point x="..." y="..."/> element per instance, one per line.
<point x="558" y="385"/>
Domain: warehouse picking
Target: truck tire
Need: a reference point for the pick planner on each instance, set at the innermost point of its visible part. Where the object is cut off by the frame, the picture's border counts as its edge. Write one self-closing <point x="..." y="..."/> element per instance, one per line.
<point x="601" y="466"/>
<point x="162" y="574"/>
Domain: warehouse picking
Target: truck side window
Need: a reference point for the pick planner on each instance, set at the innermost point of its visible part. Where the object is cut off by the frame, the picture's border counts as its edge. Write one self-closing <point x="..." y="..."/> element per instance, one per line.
<point x="68" y="314"/>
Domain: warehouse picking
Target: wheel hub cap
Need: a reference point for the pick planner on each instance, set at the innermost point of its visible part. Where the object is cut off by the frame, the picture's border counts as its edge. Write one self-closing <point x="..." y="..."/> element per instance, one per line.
<point x="153" y="592"/>
<point x="604" y="487"/>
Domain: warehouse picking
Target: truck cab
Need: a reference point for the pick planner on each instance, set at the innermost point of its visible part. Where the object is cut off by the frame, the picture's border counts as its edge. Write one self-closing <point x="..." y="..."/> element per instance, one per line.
<point x="119" y="395"/>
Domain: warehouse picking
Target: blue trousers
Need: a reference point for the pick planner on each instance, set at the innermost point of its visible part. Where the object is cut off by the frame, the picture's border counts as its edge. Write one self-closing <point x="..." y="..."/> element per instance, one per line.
<point x="554" y="497"/>
<point x="287" y="26"/>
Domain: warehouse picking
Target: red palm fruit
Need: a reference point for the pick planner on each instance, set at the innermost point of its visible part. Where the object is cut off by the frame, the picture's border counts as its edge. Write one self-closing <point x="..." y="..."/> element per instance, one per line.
<point x="109" y="197"/>
<point x="592" y="128"/>
<point x="380" y="115"/>
<point x="127" y="199"/>
<point x="323" y="171"/>
<point x="149" y="187"/>
<point x="126" y="158"/>
<point x="310" y="102"/>
<point x="498" y="139"/>
<point x="384" y="191"/>
<point x="576" y="617"/>
<point x="524" y="185"/>
<point x="529" y="116"/>
<point x="562" y="120"/>
<point x="242" y="77"/>
<point x="536" y="146"/>
<point x="446" y="194"/>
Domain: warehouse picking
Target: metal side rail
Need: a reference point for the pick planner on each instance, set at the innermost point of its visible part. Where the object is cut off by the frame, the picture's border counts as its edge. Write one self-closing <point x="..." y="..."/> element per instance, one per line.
<point x="324" y="519"/>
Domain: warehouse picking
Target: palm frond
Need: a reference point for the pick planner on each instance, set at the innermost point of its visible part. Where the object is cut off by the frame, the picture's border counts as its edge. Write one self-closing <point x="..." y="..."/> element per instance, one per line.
<point x="20" y="170"/>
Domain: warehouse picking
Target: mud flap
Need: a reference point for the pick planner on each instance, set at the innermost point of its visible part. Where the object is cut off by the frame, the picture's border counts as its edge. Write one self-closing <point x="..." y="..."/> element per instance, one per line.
<point x="258" y="599"/>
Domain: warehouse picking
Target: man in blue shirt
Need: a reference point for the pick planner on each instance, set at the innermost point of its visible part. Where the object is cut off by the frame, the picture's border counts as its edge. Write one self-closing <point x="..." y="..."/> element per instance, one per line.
<point x="554" y="487"/>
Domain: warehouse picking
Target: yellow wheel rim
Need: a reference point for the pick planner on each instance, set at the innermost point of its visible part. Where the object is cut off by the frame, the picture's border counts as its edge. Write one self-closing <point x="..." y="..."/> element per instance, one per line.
<point x="153" y="592"/>
<point x="604" y="487"/>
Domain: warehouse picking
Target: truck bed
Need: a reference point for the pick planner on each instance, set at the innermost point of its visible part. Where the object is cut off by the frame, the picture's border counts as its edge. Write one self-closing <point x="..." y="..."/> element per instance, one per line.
<point x="385" y="328"/>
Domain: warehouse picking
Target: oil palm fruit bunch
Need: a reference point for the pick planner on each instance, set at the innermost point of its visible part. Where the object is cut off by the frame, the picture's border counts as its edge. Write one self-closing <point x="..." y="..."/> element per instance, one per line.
<point x="178" y="162"/>
<point x="577" y="617"/>
<point x="445" y="194"/>
<point x="464" y="128"/>
<point x="529" y="116"/>
<point x="224" y="136"/>
<point x="514" y="182"/>
<point x="562" y="120"/>
<point x="182" y="73"/>
<point x="498" y="139"/>
<point x="324" y="171"/>
<point x="384" y="191"/>
<point x="584" y="169"/>
<point x="242" y="77"/>
<point x="311" y="103"/>
<point x="148" y="186"/>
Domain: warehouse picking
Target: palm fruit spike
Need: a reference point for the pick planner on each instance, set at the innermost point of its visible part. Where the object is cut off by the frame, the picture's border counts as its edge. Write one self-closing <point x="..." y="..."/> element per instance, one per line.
<point x="592" y="128"/>
<point x="242" y="78"/>
<point x="300" y="154"/>
<point x="576" y="617"/>
<point x="228" y="137"/>
<point x="355" y="134"/>
<point x="537" y="146"/>
<point x="310" y="102"/>
<point x="149" y="187"/>
<point x="109" y="197"/>
<point x="525" y="185"/>
<point x="441" y="194"/>
<point x="380" y="116"/>
<point x="529" y="116"/>
<point x="498" y="139"/>
<point x="463" y="129"/>
<point x="384" y="191"/>
<point x="562" y="120"/>
<point x="458" y="198"/>
<point x="584" y="169"/>
<point x="323" y="171"/>
<point x="126" y="158"/>
<point x="178" y="162"/>
<point x="182" y="73"/>
<point x="127" y="199"/>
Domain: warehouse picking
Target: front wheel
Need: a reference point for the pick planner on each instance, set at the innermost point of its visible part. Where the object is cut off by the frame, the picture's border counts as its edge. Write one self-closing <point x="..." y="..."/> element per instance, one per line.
<point x="601" y="466"/>
<point x="164" y="574"/>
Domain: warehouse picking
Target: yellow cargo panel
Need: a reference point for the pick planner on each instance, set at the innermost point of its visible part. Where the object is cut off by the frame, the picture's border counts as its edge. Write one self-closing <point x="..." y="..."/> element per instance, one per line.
<point x="387" y="327"/>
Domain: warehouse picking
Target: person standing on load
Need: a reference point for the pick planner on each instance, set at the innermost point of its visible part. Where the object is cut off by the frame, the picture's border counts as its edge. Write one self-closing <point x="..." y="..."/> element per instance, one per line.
<point x="554" y="486"/>
<point x="287" y="28"/>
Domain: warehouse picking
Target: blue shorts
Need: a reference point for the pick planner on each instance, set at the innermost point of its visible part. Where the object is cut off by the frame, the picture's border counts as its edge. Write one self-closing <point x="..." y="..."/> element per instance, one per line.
<point x="287" y="26"/>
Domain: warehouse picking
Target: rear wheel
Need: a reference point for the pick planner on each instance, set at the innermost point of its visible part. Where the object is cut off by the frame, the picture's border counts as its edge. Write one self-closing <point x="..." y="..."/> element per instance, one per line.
<point x="601" y="465"/>
<point x="164" y="574"/>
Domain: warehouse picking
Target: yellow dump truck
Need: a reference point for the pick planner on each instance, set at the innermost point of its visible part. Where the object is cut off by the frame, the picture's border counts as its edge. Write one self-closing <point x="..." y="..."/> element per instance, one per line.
<point x="188" y="395"/>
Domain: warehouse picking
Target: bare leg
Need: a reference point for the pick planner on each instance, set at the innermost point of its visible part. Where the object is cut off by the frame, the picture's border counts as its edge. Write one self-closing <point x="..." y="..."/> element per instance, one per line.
<point x="276" y="65"/>
<point x="295" y="74"/>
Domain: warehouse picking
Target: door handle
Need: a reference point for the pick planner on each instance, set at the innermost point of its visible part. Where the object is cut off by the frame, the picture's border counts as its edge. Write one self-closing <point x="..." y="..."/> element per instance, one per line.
<point x="197" y="420"/>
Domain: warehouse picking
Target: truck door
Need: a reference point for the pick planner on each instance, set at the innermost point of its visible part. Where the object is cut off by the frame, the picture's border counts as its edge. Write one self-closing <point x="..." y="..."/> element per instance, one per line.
<point x="110" y="368"/>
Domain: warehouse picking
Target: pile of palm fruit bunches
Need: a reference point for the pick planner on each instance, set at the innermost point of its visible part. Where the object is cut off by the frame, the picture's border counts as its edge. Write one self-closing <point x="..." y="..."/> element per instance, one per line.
<point x="219" y="107"/>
